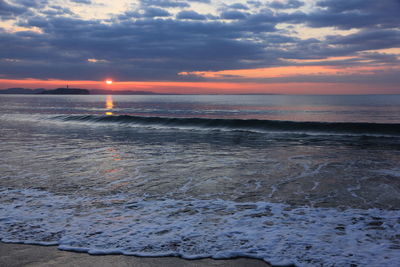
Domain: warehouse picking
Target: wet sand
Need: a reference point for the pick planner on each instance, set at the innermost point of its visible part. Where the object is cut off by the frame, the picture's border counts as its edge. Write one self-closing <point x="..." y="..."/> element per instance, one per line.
<point x="13" y="255"/>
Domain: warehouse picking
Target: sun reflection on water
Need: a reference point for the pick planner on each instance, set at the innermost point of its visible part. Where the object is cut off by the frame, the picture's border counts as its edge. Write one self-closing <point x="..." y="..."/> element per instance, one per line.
<point x="109" y="105"/>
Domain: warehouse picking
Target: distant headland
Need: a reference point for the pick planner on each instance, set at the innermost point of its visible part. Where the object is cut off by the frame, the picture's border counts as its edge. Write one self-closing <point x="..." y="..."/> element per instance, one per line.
<point x="71" y="91"/>
<point x="66" y="91"/>
<point x="79" y="91"/>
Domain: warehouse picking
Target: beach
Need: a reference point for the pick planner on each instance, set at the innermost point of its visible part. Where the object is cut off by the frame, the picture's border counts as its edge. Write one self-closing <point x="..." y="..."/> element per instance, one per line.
<point x="14" y="255"/>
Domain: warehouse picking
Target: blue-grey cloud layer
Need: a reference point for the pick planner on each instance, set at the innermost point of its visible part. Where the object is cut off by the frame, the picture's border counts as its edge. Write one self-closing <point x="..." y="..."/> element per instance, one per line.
<point x="153" y="43"/>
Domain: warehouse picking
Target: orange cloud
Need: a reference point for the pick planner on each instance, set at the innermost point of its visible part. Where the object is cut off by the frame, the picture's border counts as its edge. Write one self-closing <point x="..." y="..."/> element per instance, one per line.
<point x="94" y="60"/>
<point x="287" y="71"/>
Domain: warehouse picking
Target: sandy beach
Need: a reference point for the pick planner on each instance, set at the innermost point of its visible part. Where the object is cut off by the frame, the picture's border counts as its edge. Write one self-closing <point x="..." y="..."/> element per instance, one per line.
<point x="30" y="255"/>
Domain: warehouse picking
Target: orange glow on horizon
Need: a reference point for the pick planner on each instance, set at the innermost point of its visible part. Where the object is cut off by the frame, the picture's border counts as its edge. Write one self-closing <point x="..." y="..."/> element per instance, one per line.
<point x="109" y="82"/>
<point x="212" y="87"/>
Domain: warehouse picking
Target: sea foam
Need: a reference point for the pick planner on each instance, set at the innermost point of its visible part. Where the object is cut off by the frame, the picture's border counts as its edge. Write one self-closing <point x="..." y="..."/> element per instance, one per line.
<point x="198" y="228"/>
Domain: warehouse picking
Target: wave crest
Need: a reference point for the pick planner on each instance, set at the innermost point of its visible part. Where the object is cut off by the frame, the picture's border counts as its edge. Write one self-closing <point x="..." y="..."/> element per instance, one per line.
<point x="244" y="124"/>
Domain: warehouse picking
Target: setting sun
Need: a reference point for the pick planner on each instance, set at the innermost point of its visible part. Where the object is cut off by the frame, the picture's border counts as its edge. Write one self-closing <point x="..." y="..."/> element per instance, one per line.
<point x="109" y="82"/>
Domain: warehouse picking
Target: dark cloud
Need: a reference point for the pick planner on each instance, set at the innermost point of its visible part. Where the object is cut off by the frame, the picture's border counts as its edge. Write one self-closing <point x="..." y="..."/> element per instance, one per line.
<point x="268" y="17"/>
<point x="238" y="6"/>
<point x="338" y="6"/>
<point x="189" y="14"/>
<point x="164" y="3"/>
<point x="8" y="11"/>
<point x="369" y="39"/>
<point x="200" y="1"/>
<point x="254" y="3"/>
<point x="342" y="45"/>
<point x="286" y="5"/>
<point x="348" y="14"/>
<point x="152" y="12"/>
<point x="57" y="10"/>
<point x="142" y="49"/>
<point x="88" y="2"/>
<point x="31" y="3"/>
<point x="233" y="14"/>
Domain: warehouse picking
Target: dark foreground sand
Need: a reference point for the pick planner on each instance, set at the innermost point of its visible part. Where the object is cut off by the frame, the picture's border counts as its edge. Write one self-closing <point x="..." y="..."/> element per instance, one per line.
<point x="30" y="255"/>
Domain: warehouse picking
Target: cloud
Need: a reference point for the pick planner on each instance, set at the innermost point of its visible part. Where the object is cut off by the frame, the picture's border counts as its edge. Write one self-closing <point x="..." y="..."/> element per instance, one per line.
<point x="150" y="42"/>
<point x="87" y="2"/>
<point x="234" y="14"/>
<point x="31" y="3"/>
<point x="349" y="14"/>
<point x="152" y="12"/>
<point x="57" y="10"/>
<point x="254" y="3"/>
<point x="164" y="3"/>
<point x="200" y="1"/>
<point x="8" y="11"/>
<point x="190" y="14"/>
<point x="369" y="39"/>
<point x="143" y="49"/>
<point x="238" y="6"/>
<point x="286" y="5"/>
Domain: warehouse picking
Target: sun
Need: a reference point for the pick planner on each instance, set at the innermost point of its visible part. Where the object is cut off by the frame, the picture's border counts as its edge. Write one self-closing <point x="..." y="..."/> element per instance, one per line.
<point x="109" y="82"/>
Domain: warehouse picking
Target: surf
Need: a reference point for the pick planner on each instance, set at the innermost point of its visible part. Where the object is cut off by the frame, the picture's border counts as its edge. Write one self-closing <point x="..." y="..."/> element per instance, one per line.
<point x="359" y="128"/>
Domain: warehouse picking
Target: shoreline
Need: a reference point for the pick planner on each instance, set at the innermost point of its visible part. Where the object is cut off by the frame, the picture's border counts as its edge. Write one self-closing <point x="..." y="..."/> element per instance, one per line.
<point x="16" y="254"/>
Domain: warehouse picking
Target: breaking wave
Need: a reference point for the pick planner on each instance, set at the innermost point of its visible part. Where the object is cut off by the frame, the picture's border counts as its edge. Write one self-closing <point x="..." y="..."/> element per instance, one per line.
<point x="360" y="128"/>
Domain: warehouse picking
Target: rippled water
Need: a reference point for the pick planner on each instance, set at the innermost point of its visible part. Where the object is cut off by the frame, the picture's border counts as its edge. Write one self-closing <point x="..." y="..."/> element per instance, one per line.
<point x="138" y="175"/>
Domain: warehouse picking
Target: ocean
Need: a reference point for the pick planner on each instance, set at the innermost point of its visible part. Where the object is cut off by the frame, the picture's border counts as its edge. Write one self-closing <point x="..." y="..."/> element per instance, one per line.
<point x="290" y="179"/>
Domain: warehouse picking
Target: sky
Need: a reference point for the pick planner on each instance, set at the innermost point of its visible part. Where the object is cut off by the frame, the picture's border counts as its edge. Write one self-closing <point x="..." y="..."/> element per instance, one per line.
<point x="203" y="46"/>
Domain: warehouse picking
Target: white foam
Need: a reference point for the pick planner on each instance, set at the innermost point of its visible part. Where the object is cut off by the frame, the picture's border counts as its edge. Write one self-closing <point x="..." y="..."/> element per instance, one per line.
<point x="202" y="228"/>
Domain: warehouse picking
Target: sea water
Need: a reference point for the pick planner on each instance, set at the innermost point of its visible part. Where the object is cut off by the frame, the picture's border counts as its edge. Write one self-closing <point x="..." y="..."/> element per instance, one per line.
<point x="304" y="180"/>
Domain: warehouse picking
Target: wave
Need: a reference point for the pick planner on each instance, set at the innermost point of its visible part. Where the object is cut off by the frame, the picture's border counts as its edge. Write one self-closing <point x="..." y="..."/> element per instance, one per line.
<point x="191" y="229"/>
<point x="361" y="128"/>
